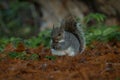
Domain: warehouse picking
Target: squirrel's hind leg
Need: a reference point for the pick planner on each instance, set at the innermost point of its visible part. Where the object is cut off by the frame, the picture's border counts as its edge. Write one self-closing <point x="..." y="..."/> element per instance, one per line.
<point x="70" y="51"/>
<point x="59" y="53"/>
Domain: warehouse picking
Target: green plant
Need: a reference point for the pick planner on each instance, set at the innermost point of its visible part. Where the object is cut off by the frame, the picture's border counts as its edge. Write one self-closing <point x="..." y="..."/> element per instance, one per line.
<point x="51" y="57"/>
<point x="104" y="34"/>
<point x="3" y="42"/>
<point x="13" y="40"/>
<point x="43" y="38"/>
<point x="23" y="56"/>
<point x="17" y="55"/>
<point x="33" y="57"/>
<point x="99" y="31"/>
<point x="99" y="18"/>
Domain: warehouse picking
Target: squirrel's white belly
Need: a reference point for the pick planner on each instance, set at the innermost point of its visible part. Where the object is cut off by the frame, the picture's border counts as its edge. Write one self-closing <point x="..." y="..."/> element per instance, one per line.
<point x="69" y="52"/>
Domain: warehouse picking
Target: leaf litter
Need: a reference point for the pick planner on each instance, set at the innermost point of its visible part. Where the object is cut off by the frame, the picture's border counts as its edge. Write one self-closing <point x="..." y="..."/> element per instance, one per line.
<point x="99" y="61"/>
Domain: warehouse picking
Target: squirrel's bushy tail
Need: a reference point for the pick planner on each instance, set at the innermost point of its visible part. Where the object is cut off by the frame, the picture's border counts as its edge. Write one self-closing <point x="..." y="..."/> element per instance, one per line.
<point x="73" y="26"/>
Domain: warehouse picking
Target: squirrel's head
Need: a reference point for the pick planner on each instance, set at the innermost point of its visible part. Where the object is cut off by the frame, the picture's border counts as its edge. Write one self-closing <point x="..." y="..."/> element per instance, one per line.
<point x="57" y="34"/>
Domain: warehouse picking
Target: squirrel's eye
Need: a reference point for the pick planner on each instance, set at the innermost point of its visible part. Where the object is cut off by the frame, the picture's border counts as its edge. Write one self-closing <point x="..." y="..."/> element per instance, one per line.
<point x="59" y="34"/>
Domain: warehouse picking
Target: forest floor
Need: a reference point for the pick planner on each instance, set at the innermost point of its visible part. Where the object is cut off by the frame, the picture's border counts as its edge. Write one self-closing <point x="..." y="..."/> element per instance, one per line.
<point x="100" y="61"/>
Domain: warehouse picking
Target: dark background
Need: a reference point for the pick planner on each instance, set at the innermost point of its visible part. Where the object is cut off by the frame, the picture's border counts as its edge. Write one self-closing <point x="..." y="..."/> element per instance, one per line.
<point x="26" y="18"/>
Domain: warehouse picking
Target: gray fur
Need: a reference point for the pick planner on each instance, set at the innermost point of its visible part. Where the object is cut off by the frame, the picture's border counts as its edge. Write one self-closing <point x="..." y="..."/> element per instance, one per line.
<point x="71" y="41"/>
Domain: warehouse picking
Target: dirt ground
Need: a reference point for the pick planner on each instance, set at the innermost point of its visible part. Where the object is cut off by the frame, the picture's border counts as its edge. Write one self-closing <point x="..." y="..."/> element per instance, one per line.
<point x="100" y="61"/>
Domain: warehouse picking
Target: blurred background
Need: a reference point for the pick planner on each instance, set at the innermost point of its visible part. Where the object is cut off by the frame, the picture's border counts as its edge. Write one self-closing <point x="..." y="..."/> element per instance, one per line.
<point x="31" y="20"/>
<point x="26" y="18"/>
<point x="25" y="28"/>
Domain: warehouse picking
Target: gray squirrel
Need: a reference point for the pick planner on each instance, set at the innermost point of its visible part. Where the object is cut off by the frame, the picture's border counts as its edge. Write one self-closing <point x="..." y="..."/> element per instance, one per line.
<point x="68" y="39"/>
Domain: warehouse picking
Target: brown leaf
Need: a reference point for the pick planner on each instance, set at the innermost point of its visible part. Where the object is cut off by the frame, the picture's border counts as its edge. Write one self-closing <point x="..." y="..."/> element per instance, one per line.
<point x="9" y="48"/>
<point x="35" y="50"/>
<point x="20" y="47"/>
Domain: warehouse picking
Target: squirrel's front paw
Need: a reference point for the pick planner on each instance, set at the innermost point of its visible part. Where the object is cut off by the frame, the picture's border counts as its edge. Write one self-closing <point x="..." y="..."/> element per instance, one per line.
<point x="57" y="47"/>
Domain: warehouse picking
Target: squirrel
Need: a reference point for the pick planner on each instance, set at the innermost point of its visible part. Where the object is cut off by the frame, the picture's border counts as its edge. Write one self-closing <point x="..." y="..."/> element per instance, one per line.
<point x="68" y="39"/>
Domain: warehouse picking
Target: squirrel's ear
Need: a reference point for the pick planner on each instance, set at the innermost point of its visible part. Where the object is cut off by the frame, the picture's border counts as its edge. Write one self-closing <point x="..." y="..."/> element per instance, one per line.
<point x="53" y="27"/>
<point x="61" y="28"/>
<point x="62" y="25"/>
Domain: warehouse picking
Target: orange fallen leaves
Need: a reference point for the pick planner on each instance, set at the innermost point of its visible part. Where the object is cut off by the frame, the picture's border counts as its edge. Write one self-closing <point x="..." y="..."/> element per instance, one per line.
<point x="99" y="61"/>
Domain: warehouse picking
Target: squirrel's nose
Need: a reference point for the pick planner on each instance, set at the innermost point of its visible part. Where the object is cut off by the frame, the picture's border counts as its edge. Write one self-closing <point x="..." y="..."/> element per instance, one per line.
<point x="56" y="40"/>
